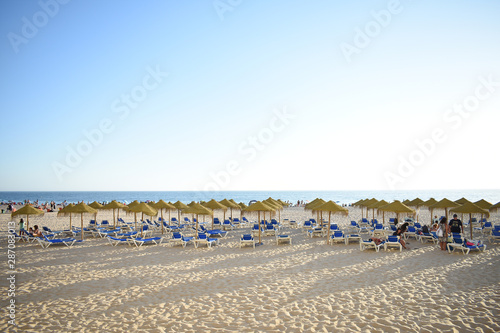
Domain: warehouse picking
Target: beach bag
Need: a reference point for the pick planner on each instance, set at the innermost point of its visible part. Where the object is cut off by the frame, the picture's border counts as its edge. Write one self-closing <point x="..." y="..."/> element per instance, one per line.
<point x="439" y="232"/>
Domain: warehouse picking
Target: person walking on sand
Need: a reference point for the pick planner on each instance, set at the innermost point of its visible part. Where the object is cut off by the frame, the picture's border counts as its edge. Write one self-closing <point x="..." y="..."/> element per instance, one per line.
<point x="442" y="233"/>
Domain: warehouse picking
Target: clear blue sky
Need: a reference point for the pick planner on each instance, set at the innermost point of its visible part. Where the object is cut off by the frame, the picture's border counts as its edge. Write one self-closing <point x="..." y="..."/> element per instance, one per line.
<point x="257" y="95"/>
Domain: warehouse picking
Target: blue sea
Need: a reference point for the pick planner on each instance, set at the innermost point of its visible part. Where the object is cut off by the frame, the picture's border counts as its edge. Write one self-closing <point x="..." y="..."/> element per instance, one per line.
<point x="341" y="197"/>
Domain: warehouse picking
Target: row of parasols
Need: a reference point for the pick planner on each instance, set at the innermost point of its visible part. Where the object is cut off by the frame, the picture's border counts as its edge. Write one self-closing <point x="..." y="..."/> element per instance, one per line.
<point x="155" y="208"/>
<point x="461" y="206"/>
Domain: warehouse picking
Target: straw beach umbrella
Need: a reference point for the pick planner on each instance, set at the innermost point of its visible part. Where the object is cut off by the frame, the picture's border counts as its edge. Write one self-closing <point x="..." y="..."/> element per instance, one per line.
<point x="96" y="206"/>
<point x="312" y="205"/>
<point x="82" y="208"/>
<point x="161" y="205"/>
<point x="213" y="205"/>
<point x="197" y="209"/>
<point x="27" y="210"/>
<point x="483" y="204"/>
<point x="470" y="208"/>
<point x="180" y="206"/>
<point x="461" y="201"/>
<point x="115" y="205"/>
<point x="274" y="204"/>
<point x="258" y="207"/>
<point x="444" y="204"/>
<point x="143" y="208"/>
<point x="417" y="202"/>
<point x="66" y="211"/>
<point x="331" y="207"/>
<point x="494" y="207"/>
<point x="376" y="206"/>
<point x="429" y="203"/>
<point x="397" y="207"/>
<point x="229" y="205"/>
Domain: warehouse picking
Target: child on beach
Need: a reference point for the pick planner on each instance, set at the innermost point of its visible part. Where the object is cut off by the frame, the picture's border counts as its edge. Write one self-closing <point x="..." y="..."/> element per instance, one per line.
<point x="21" y="227"/>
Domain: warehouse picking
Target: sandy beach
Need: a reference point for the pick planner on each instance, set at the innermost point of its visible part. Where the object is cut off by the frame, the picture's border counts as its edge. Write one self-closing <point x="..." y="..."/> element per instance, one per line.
<point x="308" y="286"/>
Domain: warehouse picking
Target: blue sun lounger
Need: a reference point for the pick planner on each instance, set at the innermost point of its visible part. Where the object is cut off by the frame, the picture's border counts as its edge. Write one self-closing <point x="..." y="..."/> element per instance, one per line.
<point x="138" y="241"/>
<point x="45" y="242"/>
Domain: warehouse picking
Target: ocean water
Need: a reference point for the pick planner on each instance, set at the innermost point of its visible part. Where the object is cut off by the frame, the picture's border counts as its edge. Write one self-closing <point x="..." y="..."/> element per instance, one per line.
<point x="341" y="197"/>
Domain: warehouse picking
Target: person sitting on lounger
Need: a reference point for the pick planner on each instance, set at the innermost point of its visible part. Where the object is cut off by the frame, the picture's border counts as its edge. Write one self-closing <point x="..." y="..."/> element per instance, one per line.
<point x="37" y="232"/>
<point x="401" y="230"/>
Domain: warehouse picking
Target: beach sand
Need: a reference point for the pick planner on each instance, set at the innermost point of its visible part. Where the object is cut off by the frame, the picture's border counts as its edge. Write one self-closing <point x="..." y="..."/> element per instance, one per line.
<point x="304" y="287"/>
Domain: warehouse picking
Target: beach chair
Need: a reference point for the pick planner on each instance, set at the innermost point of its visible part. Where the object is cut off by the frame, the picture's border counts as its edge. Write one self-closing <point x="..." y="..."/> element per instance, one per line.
<point x="255" y="229"/>
<point x="178" y="238"/>
<point x="494" y="236"/>
<point x="352" y="237"/>
<point x="105" y="224"/>
<point x="270" y="230"/>
<point x="56" y="233"/>
<point x="411" y="232"/>
<point x="138" y="241"/>
<point x="217" y="232"/>
<point x="393" y="241"/>
<point x="487" y="227"/>
<point x="283" y="239"/>
<point x="227" y="225"/>
<point x="114" y="241"/>
<point x="315" y="232"/>
<point x="247" y="239"/>
<point x="334" y="227"/>
<point x="431" y="236"/>
<point x="293" y="224"/>
<point x="460" y="243"/>
<point x="308" y="225"/>
<point x="245" y="220"/>
<point x="337" y="236"/>
<point x="204" y="239"/>
<point x="236" y="222"/>
<point x="217" y="223"/>
<point x="20" y="237"/>
<point x="369" y="244"/>
<point x="378" y="231"/>
<point x="46" y="242"/>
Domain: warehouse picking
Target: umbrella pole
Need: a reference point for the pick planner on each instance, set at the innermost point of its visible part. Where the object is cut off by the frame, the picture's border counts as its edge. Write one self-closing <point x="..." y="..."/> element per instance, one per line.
<point x="328" y="232"/>
<point x="28" y="221"/>
<point x="258" y="220"/>
<point x="135" y="220"/>
<point x="114" y="219"/>
<point x="213" y="219"/>
<point x="196" y="231"/>
<point x="142" y="223"/>
<point x="82" y="225"/>
<point x="470" y="223"/>
<point x="70" y="227"/>
<point x="169" y="217"/>
<point x="162" y="221"/>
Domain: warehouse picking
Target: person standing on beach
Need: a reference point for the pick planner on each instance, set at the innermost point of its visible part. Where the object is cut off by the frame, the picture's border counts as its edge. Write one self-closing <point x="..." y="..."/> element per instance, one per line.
<point x="456" y="225"/>
<point x="442" y="233"/>
<point x="21" y="227"/>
